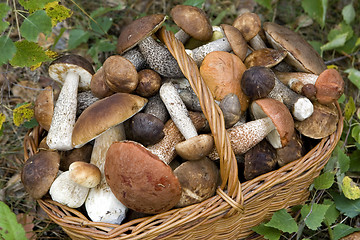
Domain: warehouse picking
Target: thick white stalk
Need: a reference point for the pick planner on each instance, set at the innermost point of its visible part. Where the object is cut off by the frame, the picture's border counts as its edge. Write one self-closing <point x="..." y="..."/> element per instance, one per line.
<point x="63" y="120"/>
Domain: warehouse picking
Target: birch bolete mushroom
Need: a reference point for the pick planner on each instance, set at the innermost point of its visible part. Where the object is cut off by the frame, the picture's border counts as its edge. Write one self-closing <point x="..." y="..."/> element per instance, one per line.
<point x="98" y="84"/>
<point x="266" y="57"/>
<point x="138" y="33"/>
<point x="149" y="83"/>
<point x="74" y="72"/>
<point x="301" y="54"/>
<point x="192" y="21"/>
<point x="103" y="121"/>
<point x="196" y="146"/>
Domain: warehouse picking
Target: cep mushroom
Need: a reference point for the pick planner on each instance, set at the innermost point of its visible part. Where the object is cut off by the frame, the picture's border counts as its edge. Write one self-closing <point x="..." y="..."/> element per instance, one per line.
<point x="196" y="146"/>
<point x="74" y="71"/>
<point x="103" y="121"/>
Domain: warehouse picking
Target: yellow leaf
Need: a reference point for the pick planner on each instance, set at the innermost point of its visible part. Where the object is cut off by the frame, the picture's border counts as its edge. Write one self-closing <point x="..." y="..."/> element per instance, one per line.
<point x="57" y="12"/>
<point x="350" y="189"/>
<point x="51" y="54"/>
<point x="23" y="113"/>
<point x="2" y="119"/>
<point x="332" y="66"/>
<point x="33" y="67"/>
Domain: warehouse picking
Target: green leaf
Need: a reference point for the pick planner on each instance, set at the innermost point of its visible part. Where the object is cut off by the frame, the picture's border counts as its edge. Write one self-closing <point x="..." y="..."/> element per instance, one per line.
<point x="265" y="3"/>
<point x="268" y="232"/>
<point x="314" y="214"/>
<point x="10" y="229"/>
<point x="102" y="25"/>
<point x="355" y="160"/>
<point x="33" y="5"/>
<point x="355" y="133"/>
<point x="350" y="208"/>
<point x="354" y="76"/>
<point x="195" y="3"/>
<point x="331" y="214"/>
<point x="316" y="45"/>
<point x="344" y="160"/>
<point x="77" y="37"/>
<point x="283" y="221"/>
<point x="56" y="12"/>
<point x="349" y="46"/>
<point x="338" y="41"/>
<point x="30" y="124"/>
<point x="350" y="189"/>
<point x="316" y="9"/>
<point x="28" y="54"/>
<point x="4" y="9"/>
<point x="348" y="13"/>
<point x="324" y="181"/>
<point x="350" y="109"/>
<point x="219" y="18"/>
<point x="36" y="23"/>
<point x="7" y="49"/>
<point x="103" y="10"/>
<point x="340" y="29"/>
<point x="342" y="230"/>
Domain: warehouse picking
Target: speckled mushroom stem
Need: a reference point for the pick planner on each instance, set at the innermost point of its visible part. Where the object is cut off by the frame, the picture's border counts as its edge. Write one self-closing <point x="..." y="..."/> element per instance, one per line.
<point x="62" y="124"/>
<point x="245" y="136"/>
<point x="159" y="58"/>
<point x="177" y="110"/>
<point x="136" y="58"/>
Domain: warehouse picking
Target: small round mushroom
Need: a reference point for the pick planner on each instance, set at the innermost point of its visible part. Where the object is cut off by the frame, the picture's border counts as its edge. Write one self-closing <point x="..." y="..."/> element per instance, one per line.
<point x="139" y="179"/>
<point x="192" y="21"/>
<point x="301" y="54"/>
<point x="149" y="83"/>
<point x="85" y="174"/>
<point x="237" y="42"/>
<point x="98" y="84"/>
<point x="39" y="172"/>
<point x="222" y="73"/>
<point x="180" y="116"/>
<point x="249" y="24"/>
<point x="231" y="108"/>
<point x="73" y="71"/>
<point x="44" y="107"/>
<point x="77" y="154"/>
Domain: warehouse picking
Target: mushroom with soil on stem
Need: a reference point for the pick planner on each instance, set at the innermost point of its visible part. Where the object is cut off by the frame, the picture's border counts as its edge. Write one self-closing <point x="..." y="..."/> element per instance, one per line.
<point x="272" y="120"/>
<point x="139" y="33"/>
<point x="192" y="21"/>
<point x="196" y="146"/>
<point x="102" y="121"/>
<point x="257" y="82"/>
<point x="75" y="72"/>
<point x="301" y="54"/>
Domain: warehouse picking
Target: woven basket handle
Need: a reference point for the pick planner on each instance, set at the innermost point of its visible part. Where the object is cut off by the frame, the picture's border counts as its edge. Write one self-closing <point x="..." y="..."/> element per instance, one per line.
<point x="214" y="115"/>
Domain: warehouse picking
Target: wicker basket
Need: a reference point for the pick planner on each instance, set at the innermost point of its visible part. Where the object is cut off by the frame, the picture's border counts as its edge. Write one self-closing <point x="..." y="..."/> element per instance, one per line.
<point x="235" y="208"/>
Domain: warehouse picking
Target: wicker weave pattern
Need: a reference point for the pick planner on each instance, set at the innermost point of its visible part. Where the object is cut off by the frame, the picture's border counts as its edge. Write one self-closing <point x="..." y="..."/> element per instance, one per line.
<point x="232" y="212"/>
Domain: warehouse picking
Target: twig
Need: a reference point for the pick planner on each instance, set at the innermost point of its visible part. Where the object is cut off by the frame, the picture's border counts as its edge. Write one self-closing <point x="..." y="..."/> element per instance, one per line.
<point x="17" y="20"/>
<point x="341" y="58"/>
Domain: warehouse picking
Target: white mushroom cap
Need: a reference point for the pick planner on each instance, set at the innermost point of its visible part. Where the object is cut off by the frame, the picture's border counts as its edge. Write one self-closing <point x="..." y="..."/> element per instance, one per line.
<point x="67" y="192"/>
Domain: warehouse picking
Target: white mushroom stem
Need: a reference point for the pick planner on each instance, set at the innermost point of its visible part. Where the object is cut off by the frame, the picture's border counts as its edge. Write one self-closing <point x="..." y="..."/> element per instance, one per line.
<point x="177" y="110"/>
<point x="101" y="204"/>
<point x="245" y="136"/>
<point x="182" y="36"/>
<point x="62" y="124"/>
<point x="257" y="43"/>
<point x="199" y="53"/>
<point x="295" y="80"/>
<point x="300" y="106"/>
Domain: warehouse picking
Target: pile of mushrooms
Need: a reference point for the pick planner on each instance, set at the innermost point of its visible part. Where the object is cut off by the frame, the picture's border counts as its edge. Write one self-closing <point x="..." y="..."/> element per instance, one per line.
<point x="131" y="136"/>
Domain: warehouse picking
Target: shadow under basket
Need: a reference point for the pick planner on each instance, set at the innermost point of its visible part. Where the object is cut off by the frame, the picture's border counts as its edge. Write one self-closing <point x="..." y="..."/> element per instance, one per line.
<point x="236" y="207"/>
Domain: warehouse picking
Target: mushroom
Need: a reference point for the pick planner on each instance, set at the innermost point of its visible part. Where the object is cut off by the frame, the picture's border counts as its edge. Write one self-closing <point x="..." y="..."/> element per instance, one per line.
<point x="103" y="121"/>
<point x="192" y="21"/>
<point x="266" y="57"/>
<point x="98" y="85"/>
<point x="249" y="24"/>
<point x="44" y="107"/>
<point x="156" y="107"/>
<point x="231" y="108"/>
<point x="149" y="83"/>
<point x="237" y="42"/>
<point x="84" y="100"/>
<point x="138" y="33"/>
<point x="139" y="179"/>
<point x="196" y="146"/>
<point x="292" y="151"/>
<point x="85" y="174"/>
<point x="273" y="121"/>
<point x="301" y="54"/>
<point x="222" y="73"/>
<point x="74" y="71"/>
<point x="67" y="192"/>
<point x="82" y="154"/>
<point x="136" y="58"/>
<point x="39" y="172"/>
<point x="261" y="79"/>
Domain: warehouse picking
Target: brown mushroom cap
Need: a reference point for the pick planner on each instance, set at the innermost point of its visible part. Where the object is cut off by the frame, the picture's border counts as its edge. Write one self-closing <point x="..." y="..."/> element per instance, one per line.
<point x="149" y="83"/>
<point x="104" y="114"/>
<point x="266" y="57"/>
<point x="249" y="25"/>
<point x="120" y="74"/>
<point x="193" y="21"/>
<point x="195" y="148"/>
<point x="98" y="84"/>
<point x="44" y="107"/>
<point x="300" y="53"/>
<point x="82" y="154"/>
<point x="236" y="40"/>
<point x="329" y="86"/>
<point x="39" y="172"/>
<point x="279" y="115"/>
<point x="222" y="72"/>
<point x="291" y="152"/>
<point x="137" y="30"/>
<point x="257" y="82"/>
<point x="139" y="179"/>
<point x="75" y="63"/>
<point x="85" y="174"/>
